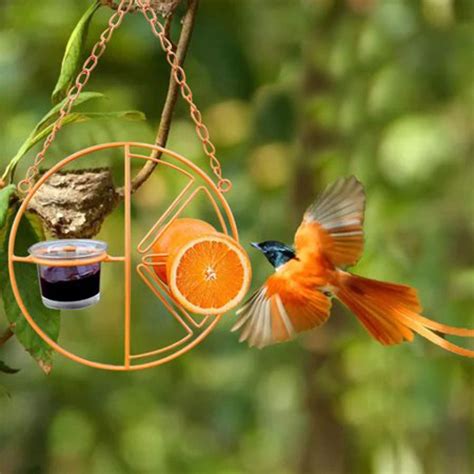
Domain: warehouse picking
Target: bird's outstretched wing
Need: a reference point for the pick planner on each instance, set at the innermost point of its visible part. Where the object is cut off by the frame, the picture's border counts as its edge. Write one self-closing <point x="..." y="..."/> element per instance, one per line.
<point x="333" y="224"/>
<point x="280" y="310"/>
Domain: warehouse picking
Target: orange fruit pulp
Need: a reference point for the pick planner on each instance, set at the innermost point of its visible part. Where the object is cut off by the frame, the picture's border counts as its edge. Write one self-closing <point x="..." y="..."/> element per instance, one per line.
<point x="175" y="235"/>
<point x="207" y="272"/>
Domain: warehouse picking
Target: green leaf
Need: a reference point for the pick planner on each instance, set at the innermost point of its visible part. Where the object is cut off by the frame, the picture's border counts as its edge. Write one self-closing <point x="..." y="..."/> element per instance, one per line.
<point x="75" y="117"/>
<point x="26" y="275"/>
<point x="36" y="224"/>
<point x="134" y="115"/>
<point x="73" y="54"/>
<point x="43" y="123"/>
<point x="6" y="369"/>
<point x="5" y="196"/>
<point x="79" y="117"/>
<point x="82" y="99"/>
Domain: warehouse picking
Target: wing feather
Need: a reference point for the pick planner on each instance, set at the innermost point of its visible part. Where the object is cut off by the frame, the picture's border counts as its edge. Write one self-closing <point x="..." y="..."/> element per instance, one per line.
<point x="280" y="331"/>
<point x="256" y="334"/>
<point x="244" y="312"/>
<point x="285" y="318"/>
<point x="271" y="317"/>
<point x="333" y="224"/>
<point x="255" y="309"/>
<point x="268" y="330"/>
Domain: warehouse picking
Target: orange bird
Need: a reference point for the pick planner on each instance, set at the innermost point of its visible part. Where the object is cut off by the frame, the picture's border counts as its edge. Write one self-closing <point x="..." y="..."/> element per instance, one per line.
<point x="297" y="297"/>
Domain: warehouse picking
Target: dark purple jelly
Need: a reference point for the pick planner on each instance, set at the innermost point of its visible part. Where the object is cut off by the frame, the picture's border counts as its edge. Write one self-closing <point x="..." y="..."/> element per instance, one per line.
<point x="68" y="284"/>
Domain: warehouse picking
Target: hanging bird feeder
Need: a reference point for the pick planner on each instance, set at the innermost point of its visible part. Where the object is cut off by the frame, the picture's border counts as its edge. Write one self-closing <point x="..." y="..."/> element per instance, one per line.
<point x="69" y="270"/>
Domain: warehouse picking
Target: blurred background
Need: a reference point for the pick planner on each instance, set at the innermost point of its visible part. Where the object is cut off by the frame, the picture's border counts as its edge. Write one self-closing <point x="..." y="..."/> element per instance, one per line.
<point x="295" y="94"/>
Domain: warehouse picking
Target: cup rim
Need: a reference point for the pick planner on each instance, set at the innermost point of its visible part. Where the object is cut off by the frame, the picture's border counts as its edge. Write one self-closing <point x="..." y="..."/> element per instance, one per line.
<point x="40" y="249"/>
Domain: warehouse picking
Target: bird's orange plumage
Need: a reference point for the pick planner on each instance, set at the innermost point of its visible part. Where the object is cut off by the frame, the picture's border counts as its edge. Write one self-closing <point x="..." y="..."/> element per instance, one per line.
<point x="297" y="296"/>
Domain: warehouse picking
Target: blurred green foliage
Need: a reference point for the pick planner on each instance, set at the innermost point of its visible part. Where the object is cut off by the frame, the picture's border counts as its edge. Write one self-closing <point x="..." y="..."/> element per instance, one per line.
<point x="382" y="89"/>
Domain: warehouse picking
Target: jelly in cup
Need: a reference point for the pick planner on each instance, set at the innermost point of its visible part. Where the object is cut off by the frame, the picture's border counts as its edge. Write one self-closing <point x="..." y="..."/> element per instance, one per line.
<point x="69" y="287"/>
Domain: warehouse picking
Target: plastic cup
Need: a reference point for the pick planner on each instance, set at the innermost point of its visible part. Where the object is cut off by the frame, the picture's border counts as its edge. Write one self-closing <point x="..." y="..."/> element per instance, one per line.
<point x="69" y="287"/>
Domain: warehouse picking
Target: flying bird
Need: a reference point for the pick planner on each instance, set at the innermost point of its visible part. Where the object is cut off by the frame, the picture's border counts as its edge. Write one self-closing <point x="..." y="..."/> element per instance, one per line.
<point x="297" y="297"/>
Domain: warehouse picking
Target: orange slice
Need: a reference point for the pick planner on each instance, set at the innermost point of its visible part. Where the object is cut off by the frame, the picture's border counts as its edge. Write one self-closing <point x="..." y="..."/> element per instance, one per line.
<point x="175" y="235"/>
<point x="209" y="274"/>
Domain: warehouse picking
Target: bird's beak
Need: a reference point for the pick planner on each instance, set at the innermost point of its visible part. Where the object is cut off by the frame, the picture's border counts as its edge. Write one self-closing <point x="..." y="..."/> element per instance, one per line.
<point x="255" y="245"/>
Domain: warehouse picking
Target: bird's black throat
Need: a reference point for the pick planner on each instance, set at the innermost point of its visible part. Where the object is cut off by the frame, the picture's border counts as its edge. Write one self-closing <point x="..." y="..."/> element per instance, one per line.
<point x="277" y="253"/>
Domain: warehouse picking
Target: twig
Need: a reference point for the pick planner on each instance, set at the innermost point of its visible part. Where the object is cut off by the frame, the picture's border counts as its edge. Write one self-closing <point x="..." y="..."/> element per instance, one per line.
<point x="164" y="7"/>
<point x="114" y="6"/>
<point x="6" y="336"/>
<point x="171" y="97"/>
<point x="167" y="25"/>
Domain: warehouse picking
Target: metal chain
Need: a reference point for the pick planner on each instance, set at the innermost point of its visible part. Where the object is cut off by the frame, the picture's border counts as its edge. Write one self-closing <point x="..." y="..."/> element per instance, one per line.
<point x="224" y="185"/>
<point x="73" y="93"/>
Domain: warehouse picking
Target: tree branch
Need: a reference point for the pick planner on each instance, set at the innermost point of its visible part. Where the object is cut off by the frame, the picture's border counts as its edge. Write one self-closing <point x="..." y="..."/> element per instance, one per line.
<point x="114" y="6"/>
<point x="6" y="336"/>
<point x="164" y="7"/>
<point x="171" y="97"/>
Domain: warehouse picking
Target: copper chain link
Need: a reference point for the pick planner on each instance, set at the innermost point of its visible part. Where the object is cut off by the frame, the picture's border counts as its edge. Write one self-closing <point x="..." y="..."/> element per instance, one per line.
<point x="73" y="93"/>
<point x="179" y="75"/>
<point x="224" y="185"/>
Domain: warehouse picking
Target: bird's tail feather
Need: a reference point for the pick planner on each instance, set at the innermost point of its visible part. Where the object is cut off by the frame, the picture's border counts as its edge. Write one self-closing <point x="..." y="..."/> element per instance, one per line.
<point x="391" y="313"/>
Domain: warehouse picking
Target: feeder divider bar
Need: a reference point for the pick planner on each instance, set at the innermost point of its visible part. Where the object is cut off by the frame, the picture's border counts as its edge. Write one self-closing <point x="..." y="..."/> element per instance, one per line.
<point x="68" y="263"/>
<point x="128" y="252"/>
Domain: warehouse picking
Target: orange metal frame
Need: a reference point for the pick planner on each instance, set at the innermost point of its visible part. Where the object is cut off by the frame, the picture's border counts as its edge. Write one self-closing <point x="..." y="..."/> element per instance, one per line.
<point x="198" y="182"/>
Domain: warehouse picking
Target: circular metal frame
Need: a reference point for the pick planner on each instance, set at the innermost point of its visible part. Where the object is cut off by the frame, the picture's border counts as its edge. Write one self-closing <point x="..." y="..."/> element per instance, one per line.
<point x="198" y="182"/>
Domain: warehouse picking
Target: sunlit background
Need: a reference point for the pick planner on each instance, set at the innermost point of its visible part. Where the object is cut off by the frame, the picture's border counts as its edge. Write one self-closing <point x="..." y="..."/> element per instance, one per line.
<point x="295" y="94"/>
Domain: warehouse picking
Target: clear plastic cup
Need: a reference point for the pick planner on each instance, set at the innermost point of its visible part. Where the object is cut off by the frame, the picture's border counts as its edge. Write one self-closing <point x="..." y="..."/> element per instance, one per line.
<point x="69" y="287"/>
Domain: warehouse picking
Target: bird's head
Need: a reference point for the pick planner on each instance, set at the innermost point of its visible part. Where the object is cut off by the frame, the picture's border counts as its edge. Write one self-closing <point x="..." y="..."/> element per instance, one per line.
<point x="277" y="253"/>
